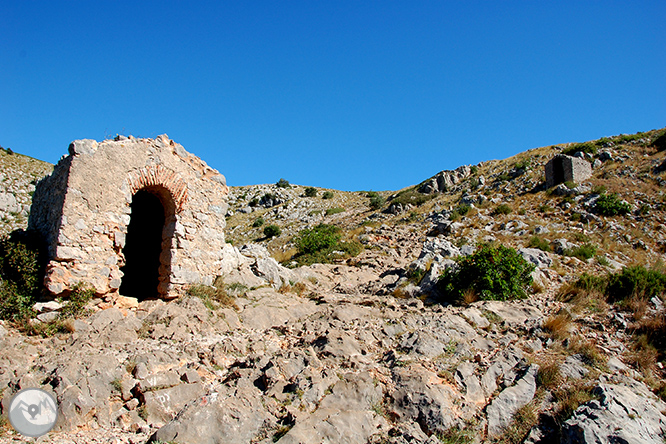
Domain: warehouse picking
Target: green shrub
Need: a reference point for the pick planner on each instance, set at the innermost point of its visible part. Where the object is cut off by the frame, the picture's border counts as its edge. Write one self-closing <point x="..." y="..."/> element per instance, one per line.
<point x="599" y="189"/>
<point x="272" y="231"/>
<point x="330" y="211"/>
<point x="327" y="195"/>
<point x="254" y="202"/>
<point x="591" y="283"/>
<point x="321" y="237"/>
<point x="213" y="297"/>
<point x="323" y="244"/>
<point x="584" y="252"/>
<point x="611" y="205"/>
<point x="310" y="192"/>
<point x="371" y="194"/>
<point x="585" y="147"/>
<point x="635" y="281"/>
<point x="21" y="273"/>
<point x="541" y="244"/>
<point x="492" y="272"/>
<point x="474" y="169"/>
<point x="411" y="197"/>
<point x="523" y="164"/>
<point x="376" y="201"/>
<point x="258" y="222"/>
<point x="502" y="209"/>
<point x="282" y="183"/>
<point x="463" y="209"/>
<point x="78" y="299"/>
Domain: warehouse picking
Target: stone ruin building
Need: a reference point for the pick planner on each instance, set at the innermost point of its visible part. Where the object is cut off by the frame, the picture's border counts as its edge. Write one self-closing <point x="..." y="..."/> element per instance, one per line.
<point x="563" y="168"/>
<point x="139" y="217"/>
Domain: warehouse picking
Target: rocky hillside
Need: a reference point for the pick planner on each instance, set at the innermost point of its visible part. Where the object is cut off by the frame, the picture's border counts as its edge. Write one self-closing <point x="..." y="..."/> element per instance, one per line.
<point x="18" y="176"/>
<point x="362" y="349"/>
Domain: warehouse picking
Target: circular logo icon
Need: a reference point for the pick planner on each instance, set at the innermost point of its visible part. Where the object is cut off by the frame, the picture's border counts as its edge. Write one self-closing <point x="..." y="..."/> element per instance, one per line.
<point x="33" y="412"/>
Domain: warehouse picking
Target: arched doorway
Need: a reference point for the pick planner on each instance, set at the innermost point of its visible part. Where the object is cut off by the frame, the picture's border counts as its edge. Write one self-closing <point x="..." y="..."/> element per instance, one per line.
<point x="145" y="243"/>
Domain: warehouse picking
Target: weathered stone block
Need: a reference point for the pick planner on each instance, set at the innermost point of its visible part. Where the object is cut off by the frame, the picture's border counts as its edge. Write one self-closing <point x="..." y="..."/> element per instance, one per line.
<point x="563" y="168"/>
<point x="87" y="208"/>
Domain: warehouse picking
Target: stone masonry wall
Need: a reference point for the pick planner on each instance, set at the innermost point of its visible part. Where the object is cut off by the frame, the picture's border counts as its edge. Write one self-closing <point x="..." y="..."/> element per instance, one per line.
<point x="572" y="169"/>
<point x="83" y="211"/>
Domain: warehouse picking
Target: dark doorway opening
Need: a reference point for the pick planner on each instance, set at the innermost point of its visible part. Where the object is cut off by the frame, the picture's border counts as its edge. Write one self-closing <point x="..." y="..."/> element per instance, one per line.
<point x="143" y="247"/>
<point x="558" y="170"/>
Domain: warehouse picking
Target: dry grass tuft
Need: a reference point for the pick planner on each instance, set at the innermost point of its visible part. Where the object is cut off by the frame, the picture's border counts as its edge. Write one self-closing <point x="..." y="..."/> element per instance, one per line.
<point x="587" y="350"/>
<point x="559" y="327"/>
<point x="468" y="297"/>
<point x="569" y="398"/>
<point x="549" y="374"/>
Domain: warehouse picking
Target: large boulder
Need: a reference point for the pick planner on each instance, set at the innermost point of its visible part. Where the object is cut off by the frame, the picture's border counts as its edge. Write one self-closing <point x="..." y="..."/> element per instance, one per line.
<point x="628" y="414"/>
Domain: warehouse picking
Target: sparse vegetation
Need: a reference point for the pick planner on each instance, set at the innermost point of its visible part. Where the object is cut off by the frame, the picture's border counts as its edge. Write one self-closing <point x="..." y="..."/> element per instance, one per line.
<point x="331" y="211"/>
<point x="327" y="195"/>
<point x="583" y="252"/>
<point x="214" y="296"/>
<point x="493" y="272"/>
<point x="376" y="201"/>
<point x="502" y="209"/>
<point x="541" y="244"/>
<point x="585" y="147"/>
<point x="258" y="222"/>
<point x="411" y="197"/>
<point x="283" y="183"/>
<point x="611" y="205"/>
<point x="272" y="231"/>
<point x="21" y="271"/>
<point x="323" y="244"/>
<point x="310" y="192"/>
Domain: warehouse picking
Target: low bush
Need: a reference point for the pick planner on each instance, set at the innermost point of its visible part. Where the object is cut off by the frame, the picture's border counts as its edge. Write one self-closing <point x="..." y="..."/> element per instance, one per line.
<point x="584" y="252"/>
<point x="78" y="299"/>
<point x="327" y="195"/>
<point x="310" y="192"/>
<point x="272" y="231"/>
<point x="585" y="147"/>
<point x="258" y="222"/>
<point x="492" y="272"/>
<point x="635" y="281"/>
<point x="541" y="244"/>
<point x="611" y="205"/>
<point x="21" y="272"/>
<point x="376" y="201"/>
<point x="411" y="197"/>
<point x="330" y="211"/>
<point x="214" y="296"/>
<point x="319" y="238"/>
<point x="502" y="209"/>
<point x="323" y="244"/>
<point x="282" y="183"/>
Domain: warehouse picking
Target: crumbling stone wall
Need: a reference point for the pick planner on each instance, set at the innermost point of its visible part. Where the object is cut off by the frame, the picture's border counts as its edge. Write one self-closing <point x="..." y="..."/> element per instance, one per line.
<point x="563" y="168"/>
<point x="83" y="211"/>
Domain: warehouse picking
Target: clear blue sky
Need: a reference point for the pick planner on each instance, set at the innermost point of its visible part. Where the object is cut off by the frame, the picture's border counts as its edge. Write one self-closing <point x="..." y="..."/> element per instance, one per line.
<point x="352" y="95"/>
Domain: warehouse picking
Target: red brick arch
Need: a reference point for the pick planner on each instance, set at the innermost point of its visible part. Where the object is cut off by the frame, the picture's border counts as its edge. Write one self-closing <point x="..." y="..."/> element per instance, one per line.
<point x="158" y="176"/>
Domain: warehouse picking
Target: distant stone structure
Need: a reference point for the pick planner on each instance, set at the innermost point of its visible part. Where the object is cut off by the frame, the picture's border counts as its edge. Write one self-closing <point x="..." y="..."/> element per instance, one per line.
<point x="142" y="217"/>
<point x="563" y="168"/>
